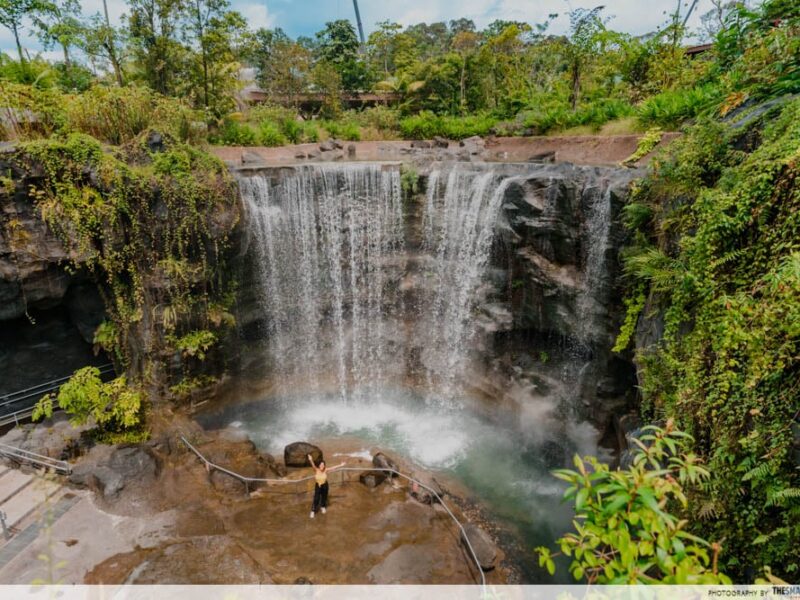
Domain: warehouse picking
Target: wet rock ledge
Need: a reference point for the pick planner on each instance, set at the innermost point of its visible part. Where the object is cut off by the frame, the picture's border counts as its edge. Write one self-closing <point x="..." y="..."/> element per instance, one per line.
<point x="189" y="524"/>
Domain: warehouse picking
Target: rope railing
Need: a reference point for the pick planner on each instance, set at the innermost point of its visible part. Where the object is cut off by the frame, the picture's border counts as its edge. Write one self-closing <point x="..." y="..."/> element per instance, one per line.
<point x="248" y="480"/>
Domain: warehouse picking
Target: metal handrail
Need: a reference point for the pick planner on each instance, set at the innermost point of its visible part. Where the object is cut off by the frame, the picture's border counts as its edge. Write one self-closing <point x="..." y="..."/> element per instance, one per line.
<point x="247" y="480"/>
<point x="60" y="466"/>
<point x="14" y="397"/>
<point x="18" y="416"/>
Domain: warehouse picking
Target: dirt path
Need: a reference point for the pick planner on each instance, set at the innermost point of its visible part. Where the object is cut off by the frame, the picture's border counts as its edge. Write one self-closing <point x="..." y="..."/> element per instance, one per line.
<point x="586" y="150"/>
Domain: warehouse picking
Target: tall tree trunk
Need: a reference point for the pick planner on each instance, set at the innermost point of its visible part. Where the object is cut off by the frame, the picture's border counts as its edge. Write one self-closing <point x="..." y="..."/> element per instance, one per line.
<point x="105" y="10"/>
<point x="111" y="47"/>
<point x="576" y="85"/>
<point x="67" y="61"/>
<point x="463" y="75"/>
<point x="203" y="56"/>
<point x="112" y="57"/>
<point x="205" y="77"/>
<point x="19" y="45"/>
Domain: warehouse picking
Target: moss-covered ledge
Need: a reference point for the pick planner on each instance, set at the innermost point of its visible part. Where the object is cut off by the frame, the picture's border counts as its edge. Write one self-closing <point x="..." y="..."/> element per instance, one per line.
<point x="151" y="222"/>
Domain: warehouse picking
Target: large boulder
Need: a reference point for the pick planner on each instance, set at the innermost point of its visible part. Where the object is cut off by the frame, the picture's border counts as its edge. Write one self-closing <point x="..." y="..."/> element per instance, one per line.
<point x="238" y="454"/>
<point x="381" y="461"/>
<point x="296" y="454"/>
<point x="108" y="469"/>
<point x="423" y="493"/>
<point x="373" y="479"/>
<point x="483" y="545"/>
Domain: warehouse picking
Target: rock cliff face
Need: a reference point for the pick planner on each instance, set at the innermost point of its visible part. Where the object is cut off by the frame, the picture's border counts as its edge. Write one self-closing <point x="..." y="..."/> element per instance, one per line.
<point x="48" y="313"/>
<point x="558" y="246"/>
<point x="121" y="244"/>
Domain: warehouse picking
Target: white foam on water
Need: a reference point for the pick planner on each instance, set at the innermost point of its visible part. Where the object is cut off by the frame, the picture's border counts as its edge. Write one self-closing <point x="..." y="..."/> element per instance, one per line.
<point x="431" y="438"/>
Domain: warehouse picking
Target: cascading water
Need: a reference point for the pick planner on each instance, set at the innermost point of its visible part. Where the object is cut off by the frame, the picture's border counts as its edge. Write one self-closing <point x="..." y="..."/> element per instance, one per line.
<point x="327" y="240"/>
<point x="598" y="228"/>
<point x="459" y="225"/>
<point x="331" y="253"/>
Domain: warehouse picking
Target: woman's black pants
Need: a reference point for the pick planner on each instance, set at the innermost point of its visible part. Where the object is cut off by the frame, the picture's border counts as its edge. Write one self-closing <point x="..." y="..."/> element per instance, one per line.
<point x="320" y="496"/>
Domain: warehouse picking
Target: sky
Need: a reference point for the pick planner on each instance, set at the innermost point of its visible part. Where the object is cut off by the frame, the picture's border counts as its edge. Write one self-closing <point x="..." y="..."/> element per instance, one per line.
<point x="305" y="17"/>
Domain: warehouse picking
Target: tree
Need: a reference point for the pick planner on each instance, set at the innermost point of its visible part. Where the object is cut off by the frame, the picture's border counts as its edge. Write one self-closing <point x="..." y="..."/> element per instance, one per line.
<point x="628" y="527"/>
<point x="328" y="82"/>
<point x="199" y="18"/>
<point x="431" y="40"/>
<point x="12" y="13"/>
<point x="283" y="66"/>
<point x="382" y="45"/>
<point x="338" y="45"/>
<point x="217" y="35"/>
<point x="60" y="25"/>
<point x="99" y="40"/>
<point x="465" y="44"/>
<point x="153" y="28"/>
<point x="461" y="26"/>
<point x="585" y="26"/>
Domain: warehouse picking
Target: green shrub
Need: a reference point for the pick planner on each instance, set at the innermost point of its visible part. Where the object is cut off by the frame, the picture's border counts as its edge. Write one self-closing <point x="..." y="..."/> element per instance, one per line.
<point x="557" y="115"/>
<point x="292" y="130"/>
<point x="382" y="118"/>
<point x="116" y="115"/>
<point x="670" y="109"/>
<point x="645" y="145"/>
<point x="351" y="132"/>
<point x="426" y="125"/>
<point x="18" y="103"/>
<point x="628" y="522"/>
<point x="269" y="134"/>
<point x="233" y="133"/>
<point x="114" y="406"/>
<point x="310" y="132"/>
<point x="344" y="130"/>
<point x="196" y="343"/>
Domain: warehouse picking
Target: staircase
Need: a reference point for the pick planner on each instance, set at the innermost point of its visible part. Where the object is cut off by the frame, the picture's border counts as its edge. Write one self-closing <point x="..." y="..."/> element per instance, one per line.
<point x="29" y="502"/>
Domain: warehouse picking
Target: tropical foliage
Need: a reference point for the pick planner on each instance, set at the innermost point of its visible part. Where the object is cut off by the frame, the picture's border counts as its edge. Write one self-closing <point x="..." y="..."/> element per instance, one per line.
<point x="630" y="524"/>
<point x="716" y="258"/>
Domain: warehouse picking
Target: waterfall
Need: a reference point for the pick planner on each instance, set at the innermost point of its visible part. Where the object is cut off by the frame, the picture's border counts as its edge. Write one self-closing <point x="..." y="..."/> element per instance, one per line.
<point x="597" y="240"/>
<point x="330" y="256"/>
<point x="327" y="243"/>
<point x="459" y="225"/>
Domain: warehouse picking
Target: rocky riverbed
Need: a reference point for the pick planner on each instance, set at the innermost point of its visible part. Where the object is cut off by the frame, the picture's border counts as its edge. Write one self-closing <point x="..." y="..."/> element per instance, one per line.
<point x="161" y="517"/>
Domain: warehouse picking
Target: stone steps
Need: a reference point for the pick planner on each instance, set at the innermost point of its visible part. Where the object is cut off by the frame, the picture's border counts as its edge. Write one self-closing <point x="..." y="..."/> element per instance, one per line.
<point x="21" y="494"/>
<point x="11" y="482"/>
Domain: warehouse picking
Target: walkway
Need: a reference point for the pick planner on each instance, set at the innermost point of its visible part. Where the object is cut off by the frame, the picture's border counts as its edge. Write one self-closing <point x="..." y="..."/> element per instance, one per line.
<point x="28" y="501"/>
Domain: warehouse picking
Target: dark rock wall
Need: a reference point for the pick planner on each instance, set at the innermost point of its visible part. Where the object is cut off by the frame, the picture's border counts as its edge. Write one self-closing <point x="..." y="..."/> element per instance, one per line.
<point x="48" y="313"/>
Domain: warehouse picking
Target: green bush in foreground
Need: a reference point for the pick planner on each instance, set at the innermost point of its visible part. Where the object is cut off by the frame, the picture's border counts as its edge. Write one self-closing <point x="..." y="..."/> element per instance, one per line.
<point x="627" y="528"/>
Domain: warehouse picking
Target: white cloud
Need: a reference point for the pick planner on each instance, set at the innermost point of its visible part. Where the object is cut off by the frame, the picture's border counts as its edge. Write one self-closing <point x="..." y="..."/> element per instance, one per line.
<point x="632" y="16"/>
<point x="257" y="15"/>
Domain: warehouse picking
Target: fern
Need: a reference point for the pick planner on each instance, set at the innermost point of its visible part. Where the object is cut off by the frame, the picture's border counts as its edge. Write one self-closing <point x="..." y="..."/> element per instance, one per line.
<point x="653" y="265"/>
<point x="778" y="498"/>
<point x="759" y="472"/>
